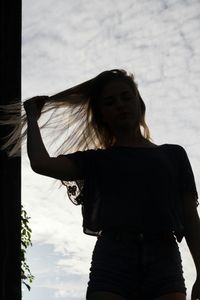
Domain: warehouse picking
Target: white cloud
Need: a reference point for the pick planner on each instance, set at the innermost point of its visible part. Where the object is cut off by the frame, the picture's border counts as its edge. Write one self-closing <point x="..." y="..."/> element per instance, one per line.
<point x="67" y="42"/>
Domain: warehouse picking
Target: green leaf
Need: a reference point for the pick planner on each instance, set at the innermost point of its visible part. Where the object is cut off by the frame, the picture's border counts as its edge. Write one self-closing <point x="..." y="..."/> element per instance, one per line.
<point x="25" y="243"/>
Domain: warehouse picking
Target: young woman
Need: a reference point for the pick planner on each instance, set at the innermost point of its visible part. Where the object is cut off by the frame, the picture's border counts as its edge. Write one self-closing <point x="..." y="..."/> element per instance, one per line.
<point x="137" y="197"/>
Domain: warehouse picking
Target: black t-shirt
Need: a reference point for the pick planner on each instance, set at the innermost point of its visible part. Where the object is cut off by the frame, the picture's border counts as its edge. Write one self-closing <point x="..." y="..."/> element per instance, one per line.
<point x="135" y="187"/>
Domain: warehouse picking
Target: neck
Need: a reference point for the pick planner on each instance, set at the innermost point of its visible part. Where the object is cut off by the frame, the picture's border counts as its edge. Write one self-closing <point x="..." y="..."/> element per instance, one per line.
<point x="130" y="138"/>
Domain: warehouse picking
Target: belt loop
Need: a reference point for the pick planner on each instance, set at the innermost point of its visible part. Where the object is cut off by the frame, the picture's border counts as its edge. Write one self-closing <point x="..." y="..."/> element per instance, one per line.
<point x="141" y="237"/>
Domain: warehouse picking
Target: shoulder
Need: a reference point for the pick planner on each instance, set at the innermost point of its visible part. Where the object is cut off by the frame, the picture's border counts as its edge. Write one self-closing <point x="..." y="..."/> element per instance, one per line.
<point x="176" y="152"/>
<point x="85" y="155"/>
<point x="82" y="152"/>
<point x="175" y="148"/>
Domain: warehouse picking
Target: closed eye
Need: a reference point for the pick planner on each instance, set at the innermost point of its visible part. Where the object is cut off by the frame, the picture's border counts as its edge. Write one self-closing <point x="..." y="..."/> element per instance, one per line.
<point x="109" y="101"/>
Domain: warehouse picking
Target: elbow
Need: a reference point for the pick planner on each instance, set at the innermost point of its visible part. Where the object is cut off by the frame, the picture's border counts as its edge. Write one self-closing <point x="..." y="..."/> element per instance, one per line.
<point x="35" y="168"/>
<point x="41" y="167"/>
<point x="40" y="164"/>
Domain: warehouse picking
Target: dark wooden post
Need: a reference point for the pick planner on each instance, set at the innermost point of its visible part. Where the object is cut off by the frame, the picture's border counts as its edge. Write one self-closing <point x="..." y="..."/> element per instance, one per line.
<point x="10" y="168"/>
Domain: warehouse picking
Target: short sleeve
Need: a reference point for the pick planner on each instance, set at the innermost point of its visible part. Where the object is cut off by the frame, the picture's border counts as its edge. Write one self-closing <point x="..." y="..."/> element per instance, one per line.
<point x="187" y="180"/>
<point x="82" y="159"/>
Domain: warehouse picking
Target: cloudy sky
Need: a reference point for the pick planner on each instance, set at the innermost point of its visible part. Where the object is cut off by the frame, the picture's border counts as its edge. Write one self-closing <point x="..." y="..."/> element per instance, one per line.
<point x="66" y="42"/>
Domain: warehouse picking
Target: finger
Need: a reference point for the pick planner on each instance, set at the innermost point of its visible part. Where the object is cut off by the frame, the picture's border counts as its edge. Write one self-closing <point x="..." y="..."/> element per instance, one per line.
<point x="40" y="104"/>
<point x="36" y="98"/>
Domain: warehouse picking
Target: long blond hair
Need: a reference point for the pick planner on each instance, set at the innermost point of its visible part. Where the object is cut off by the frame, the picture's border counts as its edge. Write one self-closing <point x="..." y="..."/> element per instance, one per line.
<point x="79" y="120"/>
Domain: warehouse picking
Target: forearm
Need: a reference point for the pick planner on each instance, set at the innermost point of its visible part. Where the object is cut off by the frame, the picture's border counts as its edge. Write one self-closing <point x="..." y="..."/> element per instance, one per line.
<point x="192" y="236"/>
<point x="35" y="146"/>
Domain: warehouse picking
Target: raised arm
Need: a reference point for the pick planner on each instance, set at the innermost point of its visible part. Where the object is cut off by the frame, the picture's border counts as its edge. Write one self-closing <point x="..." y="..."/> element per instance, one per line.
<point x="57" y="167"/>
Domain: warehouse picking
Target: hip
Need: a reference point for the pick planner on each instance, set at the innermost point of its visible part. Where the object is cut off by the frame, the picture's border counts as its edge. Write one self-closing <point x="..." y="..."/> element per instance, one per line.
<point x="138" y="247"/>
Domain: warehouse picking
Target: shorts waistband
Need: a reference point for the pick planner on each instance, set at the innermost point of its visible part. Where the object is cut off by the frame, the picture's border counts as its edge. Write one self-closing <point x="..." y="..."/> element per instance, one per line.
<point x="119" y="234"/>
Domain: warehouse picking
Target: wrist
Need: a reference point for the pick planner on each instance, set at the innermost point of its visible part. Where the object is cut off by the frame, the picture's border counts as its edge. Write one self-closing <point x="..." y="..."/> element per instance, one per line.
<point x="31" y="118"/>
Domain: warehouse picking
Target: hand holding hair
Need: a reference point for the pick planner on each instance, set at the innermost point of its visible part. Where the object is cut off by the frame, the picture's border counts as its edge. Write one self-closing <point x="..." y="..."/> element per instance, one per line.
<point x="34" y="105"/>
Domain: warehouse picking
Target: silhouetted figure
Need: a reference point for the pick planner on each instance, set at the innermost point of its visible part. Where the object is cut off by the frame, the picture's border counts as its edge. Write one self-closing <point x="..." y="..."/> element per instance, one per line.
<point x="138" y="198"/>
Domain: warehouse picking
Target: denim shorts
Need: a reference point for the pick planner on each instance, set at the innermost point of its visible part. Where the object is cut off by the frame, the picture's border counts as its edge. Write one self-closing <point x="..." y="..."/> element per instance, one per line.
<point x="142" y="267"/>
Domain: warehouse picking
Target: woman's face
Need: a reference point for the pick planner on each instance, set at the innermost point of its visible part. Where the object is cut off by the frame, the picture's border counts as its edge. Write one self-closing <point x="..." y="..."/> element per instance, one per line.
<point x="119" y="105"/>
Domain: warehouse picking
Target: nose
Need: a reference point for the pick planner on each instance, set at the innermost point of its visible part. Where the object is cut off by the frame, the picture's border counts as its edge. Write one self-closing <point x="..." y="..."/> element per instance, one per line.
<point x="119" y="103"/>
